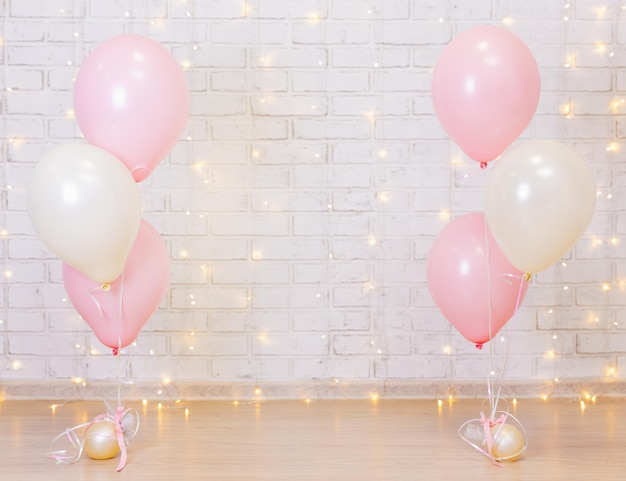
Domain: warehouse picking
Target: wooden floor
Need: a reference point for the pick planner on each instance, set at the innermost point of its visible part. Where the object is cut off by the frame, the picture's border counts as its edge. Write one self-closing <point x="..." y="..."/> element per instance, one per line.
<point x="324" y="440"/>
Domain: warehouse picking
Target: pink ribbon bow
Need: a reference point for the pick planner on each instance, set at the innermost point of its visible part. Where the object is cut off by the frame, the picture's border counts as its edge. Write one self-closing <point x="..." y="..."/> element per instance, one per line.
<point x="487" y="424"/>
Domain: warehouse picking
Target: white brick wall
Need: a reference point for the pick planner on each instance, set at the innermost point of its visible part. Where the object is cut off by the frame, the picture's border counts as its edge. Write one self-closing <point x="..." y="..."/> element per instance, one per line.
<point x="300" y="204"/>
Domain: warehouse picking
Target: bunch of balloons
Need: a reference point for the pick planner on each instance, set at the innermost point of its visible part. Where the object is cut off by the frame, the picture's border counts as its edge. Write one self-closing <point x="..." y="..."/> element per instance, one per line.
<point x="132" y="103"/>
<point x="539" y="195"/>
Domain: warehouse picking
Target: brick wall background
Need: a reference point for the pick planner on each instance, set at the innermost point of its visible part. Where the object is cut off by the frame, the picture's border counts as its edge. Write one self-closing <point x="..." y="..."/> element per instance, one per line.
<point x="300" y="203"/>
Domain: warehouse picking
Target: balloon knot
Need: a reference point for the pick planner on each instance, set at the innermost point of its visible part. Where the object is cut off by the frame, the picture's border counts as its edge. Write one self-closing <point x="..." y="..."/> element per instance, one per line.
<point x="115" y="351"/>
<point x="479" y="345"/>
<point x="483" y="165"/>
<point x="106" y="287"/>
<point x="527" y="277"/>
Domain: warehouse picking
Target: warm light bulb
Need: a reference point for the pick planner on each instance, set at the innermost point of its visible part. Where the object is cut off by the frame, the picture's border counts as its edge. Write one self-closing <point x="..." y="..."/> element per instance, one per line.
<point x="439" y="402"/>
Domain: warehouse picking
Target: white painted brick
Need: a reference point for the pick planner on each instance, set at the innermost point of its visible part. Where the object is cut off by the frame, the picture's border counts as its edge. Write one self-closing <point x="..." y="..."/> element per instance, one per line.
<point x="44" y="9"/>
<point x="17" y="321"/>
<point x="289" y="106"/>
<point x="313" y="129"/>
<point x="370" y="202"/>
<point x="367" y="345"/>
<point x="370" y="105"/>
<point x="365" y="153"/>
<point x="24" y="31"/>
<point x="25" y="369"/>
<point x="402" y="81"/>
<point x="214" y="345"/>
<point x="209" y="298"/>
<point x="210" y="202"/>
<point x="285" y="153"/>
<point x="518" y="367"/>
<point x="33" y="103"/>
<point x="431" y="367"/>
<point x="249" y="129"/>
<point x="61" y="78"/>
<point x="383" y="249"/>
<point x="249" y="33"/>
<point x="214" y="9"/>
<point x="214" y="57"/>
<point x="250" y="225"/>
<point x="282" y="10"/>
<point x="289" y="57"/>
<point x="331" y="225"/>
<point x="290" y="202"/>
<point x="209" y="249"/>
<point x="368" y="58"/>
<point x="289" y="298"/>
<point x="601" y="342"/>
<point x="585" y="80"/>
<point x="37" y="56"/>
<point x="573" y="367"/>
<point x="279" y="248"/>
<point x="265" y="81"/>
<point x="250" y="369"/>
<point x="480" y="9"/>
<point x="332" y="272"/>
<point x="364" y="296"/>
<point x="58" y="345"/>
<point x="32" y="128"/>
<point x="348" y="176"/>
<point x="221" y="105"/>
<point x="534" y="9"/>
<point x="414" y="177"/>
<point x="249" y="177"/>
<point x="256" y="273"/>
<point x="180" y="369"/>
<point x="332" y="81"/>
<point x="406" y="129"/>
<point x="257" y="322"/>
<point x="355" y="9"/>
<point x="413" y="33"/>
<point x="311" y="321"/>
<point x="177" y="321"/>
<point x="205" y="152"/>
<point x="330" y="33"/>
<point x="291" y="345"/>
<point x="23" y="79"/>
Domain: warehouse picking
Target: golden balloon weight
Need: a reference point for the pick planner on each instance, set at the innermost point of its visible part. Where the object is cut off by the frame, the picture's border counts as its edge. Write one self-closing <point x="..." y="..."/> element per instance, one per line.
<point x="508" y="442"/>
<point x="101" y="441"/>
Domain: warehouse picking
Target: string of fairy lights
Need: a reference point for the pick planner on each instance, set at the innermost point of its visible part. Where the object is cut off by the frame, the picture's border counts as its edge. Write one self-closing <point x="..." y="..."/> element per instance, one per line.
<point x="572" y="105"/>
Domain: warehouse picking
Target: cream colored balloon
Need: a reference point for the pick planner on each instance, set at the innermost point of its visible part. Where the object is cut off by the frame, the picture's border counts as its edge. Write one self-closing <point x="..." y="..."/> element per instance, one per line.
<point x="85" y="206"/>
<point x="539" y="199"/>
<point x="508" y="442"/>
<point x="101" y="441"/>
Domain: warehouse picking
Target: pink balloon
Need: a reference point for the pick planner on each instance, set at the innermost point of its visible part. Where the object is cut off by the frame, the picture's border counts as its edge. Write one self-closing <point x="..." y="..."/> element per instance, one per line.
<point x="118" y="312"/>
<point x="467" y="279"/>
<point x="131" y="98"/>
<point x="485" y="90"/>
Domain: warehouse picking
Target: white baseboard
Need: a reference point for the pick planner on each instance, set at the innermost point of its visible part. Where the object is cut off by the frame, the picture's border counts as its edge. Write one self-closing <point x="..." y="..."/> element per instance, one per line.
<point x="314" y="389"/>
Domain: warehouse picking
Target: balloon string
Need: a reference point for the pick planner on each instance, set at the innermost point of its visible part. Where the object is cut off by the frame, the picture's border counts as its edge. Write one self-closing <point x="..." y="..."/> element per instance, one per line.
<point x="494" y="395"/>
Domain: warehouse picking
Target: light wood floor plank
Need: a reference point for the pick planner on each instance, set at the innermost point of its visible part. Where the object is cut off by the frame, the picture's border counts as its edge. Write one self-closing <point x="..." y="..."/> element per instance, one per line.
<point x="325" y="440"/>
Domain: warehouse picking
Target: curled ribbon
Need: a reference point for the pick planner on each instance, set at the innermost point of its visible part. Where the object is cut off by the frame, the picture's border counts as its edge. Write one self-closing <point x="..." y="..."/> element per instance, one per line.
<point x="126" y="424"/>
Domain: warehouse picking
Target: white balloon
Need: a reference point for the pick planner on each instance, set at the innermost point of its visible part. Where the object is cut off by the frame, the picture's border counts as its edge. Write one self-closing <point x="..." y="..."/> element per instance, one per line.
<point x="539" y="199"/>
<point x="85" y="206"/>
